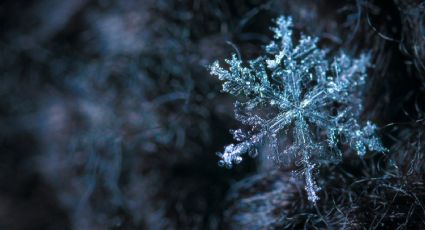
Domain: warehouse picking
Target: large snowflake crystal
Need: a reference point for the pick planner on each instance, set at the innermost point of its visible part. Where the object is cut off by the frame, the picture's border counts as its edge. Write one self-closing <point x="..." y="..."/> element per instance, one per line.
<point x="299" y="104"/>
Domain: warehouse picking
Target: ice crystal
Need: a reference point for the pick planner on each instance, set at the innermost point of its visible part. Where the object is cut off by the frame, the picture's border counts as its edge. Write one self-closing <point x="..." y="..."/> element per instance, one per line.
<point x="294" y="89"/>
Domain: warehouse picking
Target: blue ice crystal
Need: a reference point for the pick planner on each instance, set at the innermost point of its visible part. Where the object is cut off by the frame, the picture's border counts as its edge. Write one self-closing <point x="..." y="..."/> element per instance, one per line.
<point x="298" y="103"/>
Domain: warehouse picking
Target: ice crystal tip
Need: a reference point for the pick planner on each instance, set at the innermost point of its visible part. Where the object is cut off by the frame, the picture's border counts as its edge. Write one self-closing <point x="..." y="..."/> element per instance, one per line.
<point x="316" y="98"/>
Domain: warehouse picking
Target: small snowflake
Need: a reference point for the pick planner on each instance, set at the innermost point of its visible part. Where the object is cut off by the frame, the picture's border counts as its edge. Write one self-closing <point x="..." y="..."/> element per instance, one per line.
<point x="294" y="89"/>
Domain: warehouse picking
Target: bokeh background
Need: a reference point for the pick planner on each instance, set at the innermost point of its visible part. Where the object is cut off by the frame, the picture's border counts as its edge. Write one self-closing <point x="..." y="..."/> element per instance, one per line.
<point x="109" y="118"/>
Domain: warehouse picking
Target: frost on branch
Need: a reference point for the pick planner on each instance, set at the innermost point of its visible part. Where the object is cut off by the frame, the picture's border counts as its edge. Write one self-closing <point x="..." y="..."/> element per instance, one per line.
<point x="312" y="105"/>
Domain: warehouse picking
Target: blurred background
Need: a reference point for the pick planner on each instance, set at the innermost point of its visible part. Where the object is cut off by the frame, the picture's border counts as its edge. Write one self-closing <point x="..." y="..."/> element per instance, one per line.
<point x="109" y="118"/>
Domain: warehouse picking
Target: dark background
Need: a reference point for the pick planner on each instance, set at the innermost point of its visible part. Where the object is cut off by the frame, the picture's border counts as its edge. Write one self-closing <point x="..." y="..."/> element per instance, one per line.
<point x="109" y="118"/>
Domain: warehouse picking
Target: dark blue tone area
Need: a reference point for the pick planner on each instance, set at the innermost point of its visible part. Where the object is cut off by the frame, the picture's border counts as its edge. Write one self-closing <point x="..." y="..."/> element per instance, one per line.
<point x="109" y="118"/>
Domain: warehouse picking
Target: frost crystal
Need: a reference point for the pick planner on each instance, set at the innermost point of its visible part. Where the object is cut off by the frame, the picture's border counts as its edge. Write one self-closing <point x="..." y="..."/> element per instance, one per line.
<point x="294" y="90"/>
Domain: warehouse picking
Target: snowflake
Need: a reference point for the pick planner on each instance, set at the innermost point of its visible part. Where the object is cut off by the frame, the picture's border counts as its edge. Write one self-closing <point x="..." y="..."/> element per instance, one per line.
<point x="294" y="89"/>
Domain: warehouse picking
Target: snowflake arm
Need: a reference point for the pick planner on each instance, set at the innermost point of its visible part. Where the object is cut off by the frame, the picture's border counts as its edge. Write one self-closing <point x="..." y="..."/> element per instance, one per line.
<point x="232" y="153"/>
